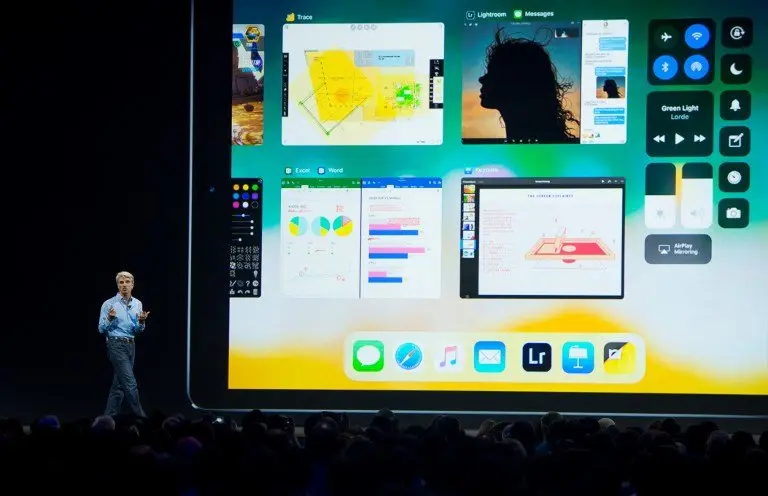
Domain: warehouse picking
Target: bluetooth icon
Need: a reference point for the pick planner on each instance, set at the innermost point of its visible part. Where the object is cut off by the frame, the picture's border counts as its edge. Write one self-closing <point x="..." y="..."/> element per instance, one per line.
<point x="665" y="67"/>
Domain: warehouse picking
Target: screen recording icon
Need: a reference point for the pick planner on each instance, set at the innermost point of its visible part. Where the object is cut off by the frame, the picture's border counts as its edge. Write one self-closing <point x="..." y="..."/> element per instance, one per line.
<point x="619" y="357"/>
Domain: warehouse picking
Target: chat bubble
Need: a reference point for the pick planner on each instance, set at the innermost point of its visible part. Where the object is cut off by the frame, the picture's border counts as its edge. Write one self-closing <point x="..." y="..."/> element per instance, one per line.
<point x="368" y="355"/>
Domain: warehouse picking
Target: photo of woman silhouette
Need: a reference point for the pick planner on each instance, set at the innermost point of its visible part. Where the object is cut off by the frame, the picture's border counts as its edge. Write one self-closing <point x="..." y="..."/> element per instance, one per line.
<point x="611" y="87"/>
<point x="523" y="88"/>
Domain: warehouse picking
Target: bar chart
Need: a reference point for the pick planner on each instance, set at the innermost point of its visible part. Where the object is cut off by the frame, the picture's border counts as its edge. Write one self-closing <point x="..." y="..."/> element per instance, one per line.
<point x="401" y="226"/>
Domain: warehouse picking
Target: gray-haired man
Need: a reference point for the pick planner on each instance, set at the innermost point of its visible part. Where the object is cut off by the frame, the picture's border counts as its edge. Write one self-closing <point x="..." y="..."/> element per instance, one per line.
<point x="122" y="319"/>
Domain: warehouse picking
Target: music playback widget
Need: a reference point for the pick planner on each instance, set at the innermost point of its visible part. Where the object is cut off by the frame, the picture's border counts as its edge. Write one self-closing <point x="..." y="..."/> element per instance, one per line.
<point x="681" y="51"/>
<point x="697" y="196"/>
<point x="680" y="123"/>
<point x="660" y="196"/>
<point x="245" y="225"/>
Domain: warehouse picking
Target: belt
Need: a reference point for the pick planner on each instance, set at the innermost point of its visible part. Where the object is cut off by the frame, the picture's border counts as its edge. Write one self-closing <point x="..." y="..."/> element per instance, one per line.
<point x="120" y="340"/>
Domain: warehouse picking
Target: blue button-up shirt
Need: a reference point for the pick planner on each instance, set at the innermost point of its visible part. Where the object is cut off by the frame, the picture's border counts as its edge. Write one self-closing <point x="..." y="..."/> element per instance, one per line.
<point x="126" y="322"/>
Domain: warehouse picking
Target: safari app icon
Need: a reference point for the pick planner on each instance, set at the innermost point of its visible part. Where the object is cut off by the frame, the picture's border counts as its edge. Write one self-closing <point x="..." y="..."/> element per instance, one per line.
<point x="368" y="356"/>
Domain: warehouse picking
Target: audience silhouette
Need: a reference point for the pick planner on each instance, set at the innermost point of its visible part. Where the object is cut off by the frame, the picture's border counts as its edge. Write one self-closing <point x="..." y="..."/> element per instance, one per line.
<point x="265" y="455"/>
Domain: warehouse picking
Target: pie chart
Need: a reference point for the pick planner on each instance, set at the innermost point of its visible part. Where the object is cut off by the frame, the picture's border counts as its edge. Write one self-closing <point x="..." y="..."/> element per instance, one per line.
<point x="297" y="226"/>
<point x="342" y="225"/>
<point x="321" y="226"/>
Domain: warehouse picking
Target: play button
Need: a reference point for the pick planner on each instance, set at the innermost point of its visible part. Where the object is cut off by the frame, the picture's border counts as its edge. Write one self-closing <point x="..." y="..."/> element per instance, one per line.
<point x="684" y="118"/>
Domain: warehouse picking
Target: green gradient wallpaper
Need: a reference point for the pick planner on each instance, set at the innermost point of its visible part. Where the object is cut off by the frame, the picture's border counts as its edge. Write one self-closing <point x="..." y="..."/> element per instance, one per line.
<point x="702" y="327"/>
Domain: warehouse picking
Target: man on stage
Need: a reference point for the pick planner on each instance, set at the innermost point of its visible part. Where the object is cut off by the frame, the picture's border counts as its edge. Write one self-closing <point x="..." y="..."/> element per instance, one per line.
<point x="122" y="318"/>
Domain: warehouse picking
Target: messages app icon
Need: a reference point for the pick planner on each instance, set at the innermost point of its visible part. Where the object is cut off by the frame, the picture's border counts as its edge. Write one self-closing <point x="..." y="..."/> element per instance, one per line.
<point x="578" y="357"/>
<point x="368" y="356"/>
<point x="490" y="357"/>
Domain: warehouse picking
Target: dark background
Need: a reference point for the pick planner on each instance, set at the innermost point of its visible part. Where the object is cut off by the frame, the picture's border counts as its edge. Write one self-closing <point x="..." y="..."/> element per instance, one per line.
<point x="95" y="176"/>
<point x="95" y="164"/>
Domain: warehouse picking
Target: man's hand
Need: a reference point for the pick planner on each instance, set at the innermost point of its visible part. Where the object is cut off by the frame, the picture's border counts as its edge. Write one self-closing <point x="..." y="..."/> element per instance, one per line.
<point x="112" y="314"/>
<point x="143" y="316"/>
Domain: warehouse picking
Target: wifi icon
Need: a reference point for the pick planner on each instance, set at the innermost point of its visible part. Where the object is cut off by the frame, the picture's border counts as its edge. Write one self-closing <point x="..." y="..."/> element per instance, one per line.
<point x="697" y="36"/>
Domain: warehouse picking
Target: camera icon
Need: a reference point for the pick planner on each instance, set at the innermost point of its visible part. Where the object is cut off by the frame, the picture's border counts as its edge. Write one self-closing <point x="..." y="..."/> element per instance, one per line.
<point x="470" y="15"/>
<point x="733" y="213"/>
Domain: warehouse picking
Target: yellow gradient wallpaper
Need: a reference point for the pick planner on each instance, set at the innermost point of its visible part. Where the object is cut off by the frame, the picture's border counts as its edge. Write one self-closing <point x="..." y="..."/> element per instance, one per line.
<point x="321" y="367"/>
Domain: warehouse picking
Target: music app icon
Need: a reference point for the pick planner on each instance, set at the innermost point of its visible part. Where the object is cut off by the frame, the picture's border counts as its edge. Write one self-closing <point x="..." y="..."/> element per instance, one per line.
<point x="449" y="358"/>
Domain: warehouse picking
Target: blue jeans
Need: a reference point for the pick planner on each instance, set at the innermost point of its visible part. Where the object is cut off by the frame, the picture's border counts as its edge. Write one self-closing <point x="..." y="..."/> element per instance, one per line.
<point x="122" y="353"/>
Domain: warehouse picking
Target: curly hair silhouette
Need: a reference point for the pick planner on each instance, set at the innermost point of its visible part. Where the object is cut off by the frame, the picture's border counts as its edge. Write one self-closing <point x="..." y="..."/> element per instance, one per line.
<point x="522" y="83"/>
<point x="611" y="88"/>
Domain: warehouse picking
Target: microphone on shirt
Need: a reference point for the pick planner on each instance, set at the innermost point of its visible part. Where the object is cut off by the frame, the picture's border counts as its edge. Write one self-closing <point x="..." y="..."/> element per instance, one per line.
<point x="129" y="306"/>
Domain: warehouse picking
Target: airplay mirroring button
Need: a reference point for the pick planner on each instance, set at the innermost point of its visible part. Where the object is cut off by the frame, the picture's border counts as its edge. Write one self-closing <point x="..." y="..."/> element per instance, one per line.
<point x="678" y="249"/>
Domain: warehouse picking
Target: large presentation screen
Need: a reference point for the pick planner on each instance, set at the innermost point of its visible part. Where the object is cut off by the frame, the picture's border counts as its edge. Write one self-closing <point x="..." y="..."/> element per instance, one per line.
<point x="444" y="197"/>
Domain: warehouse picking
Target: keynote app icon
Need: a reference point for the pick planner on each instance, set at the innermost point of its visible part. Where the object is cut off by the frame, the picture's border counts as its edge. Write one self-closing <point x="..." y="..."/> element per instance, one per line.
<point x="578" y="357"/>
<point x="619" y="358"/>
<point x="368" y="356"/>
<point x="490" y="357"/>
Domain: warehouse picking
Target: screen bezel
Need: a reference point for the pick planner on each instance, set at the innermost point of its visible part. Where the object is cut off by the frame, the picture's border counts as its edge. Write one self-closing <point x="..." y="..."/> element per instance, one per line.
<point x="208" y="310"/>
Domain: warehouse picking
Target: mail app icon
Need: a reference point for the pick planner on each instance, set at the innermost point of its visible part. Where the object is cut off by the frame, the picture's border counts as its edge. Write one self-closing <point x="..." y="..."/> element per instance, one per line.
<point x="490" y="357"/>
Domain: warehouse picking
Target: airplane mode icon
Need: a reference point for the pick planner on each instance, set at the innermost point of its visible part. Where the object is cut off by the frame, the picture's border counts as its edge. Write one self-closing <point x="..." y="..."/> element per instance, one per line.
<point x="665" y="37"/>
